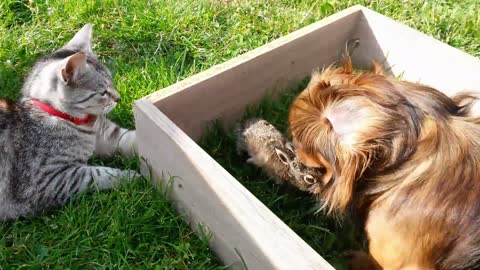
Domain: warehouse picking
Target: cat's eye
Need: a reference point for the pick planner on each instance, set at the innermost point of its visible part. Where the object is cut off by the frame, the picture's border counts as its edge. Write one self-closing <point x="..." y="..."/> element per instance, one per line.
<point x="103" y="93"/>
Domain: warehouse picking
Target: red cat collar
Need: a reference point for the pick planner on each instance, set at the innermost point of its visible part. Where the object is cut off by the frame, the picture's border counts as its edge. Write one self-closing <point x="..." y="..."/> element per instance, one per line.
<point x="52" y="111"/>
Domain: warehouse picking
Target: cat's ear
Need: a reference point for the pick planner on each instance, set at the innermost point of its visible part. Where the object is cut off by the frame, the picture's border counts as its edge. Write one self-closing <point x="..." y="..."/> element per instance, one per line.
<point x="73" y="66"/>
<point x="82" y="40"/>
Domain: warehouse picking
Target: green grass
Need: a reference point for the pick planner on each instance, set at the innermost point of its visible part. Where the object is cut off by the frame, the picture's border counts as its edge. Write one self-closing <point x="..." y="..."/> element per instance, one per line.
<point x="114" y="230"/>
<point x="150" y="45"/>
<point x="298" y="210"/>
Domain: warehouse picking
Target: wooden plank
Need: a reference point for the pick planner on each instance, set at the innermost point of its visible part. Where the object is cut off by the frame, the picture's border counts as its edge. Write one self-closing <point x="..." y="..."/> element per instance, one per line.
<point x="420" y="57"/>
<point x="169" y="121"/>
<point x="225" y="90"/>
<point x="207" y="194"/>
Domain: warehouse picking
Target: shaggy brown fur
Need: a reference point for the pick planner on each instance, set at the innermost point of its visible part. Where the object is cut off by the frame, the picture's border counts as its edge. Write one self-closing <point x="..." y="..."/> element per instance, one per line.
<point x="403" y="154"/>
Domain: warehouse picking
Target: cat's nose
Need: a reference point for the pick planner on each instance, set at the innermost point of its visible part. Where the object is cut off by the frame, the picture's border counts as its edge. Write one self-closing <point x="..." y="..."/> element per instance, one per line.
<point x="116" y="97"/>
<point x="114" y="94"/>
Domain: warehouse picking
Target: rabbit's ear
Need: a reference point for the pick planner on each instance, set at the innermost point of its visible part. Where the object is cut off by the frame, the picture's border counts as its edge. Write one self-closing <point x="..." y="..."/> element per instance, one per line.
<point x="282" y="156"/>
<point x="289" y="147"/>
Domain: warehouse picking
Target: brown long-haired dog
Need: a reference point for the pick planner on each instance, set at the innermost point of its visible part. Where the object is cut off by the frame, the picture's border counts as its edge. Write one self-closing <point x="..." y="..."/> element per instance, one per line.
<point x="404" y="155"/>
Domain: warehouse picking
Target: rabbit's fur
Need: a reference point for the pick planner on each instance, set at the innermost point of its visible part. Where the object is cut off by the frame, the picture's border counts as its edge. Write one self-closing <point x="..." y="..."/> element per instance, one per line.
<point x="269" y="150"/>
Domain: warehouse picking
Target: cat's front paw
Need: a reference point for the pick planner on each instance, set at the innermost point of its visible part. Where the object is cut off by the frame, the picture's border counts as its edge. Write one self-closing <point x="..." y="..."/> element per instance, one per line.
<point x="131" y="175"/>
<point x="128" y="144"/>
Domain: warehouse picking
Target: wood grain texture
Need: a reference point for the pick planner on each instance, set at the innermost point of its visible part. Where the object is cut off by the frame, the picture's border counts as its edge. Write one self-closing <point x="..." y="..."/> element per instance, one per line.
<point x="208" y="195"/>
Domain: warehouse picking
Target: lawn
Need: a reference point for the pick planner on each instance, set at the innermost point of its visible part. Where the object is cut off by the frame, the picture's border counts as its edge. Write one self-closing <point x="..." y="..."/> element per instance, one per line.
<point x="149" y="45"/>
<point x="327" y="236"/>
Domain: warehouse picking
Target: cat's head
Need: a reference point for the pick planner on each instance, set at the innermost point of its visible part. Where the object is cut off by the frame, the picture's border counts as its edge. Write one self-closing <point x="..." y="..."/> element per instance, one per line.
<point x="72" y="79"/>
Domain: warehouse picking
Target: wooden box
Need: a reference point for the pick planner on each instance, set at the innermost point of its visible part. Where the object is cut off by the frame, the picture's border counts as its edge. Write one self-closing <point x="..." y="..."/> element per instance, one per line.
<point x="245" y="233"/>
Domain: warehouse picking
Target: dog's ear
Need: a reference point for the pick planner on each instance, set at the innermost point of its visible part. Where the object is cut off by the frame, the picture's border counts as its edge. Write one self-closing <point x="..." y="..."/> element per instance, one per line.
<point x="354" y="123"/>
<point x="341" y="173"/>
<point x="350" y="120"/>
<point x="340" y="194"/>
<point x="308" y="160"/>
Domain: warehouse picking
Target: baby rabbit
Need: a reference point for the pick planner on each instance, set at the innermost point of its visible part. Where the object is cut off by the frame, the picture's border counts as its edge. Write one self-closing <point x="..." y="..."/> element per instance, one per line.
<point x="269" y="150"/>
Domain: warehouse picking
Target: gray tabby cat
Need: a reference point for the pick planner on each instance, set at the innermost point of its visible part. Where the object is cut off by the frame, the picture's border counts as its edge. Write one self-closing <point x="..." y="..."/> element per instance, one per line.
<point x="47" y="137"/>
